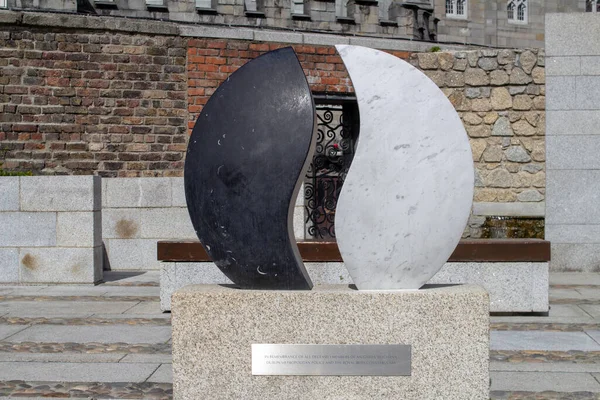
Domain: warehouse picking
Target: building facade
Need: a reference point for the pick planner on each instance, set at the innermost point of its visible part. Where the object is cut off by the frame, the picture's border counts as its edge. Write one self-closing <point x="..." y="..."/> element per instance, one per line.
<point x="497" y="23"/>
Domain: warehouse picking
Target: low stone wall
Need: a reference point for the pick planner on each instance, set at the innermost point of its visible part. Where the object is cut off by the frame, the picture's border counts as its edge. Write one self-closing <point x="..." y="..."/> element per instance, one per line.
<point x="512" y="286"/>
<point x="51" y="229"/>
<point x="137" y="213"/>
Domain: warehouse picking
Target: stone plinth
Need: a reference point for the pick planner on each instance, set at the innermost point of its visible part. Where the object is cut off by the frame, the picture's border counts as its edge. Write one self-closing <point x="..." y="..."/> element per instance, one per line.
<point x="214" y="327"/>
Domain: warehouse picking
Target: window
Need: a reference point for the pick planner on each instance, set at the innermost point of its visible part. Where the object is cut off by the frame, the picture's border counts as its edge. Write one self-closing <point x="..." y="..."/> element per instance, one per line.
<point x="517" y="11"/>
<point x="592" y="6"/>
<point x="204" y="4"/>
<point x="456" y="8"/>
<point x="2" y="3"/>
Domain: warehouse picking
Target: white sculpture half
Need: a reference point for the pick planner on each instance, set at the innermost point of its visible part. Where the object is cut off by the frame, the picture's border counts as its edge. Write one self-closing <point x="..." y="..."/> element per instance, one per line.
<point x="408" y="194"/>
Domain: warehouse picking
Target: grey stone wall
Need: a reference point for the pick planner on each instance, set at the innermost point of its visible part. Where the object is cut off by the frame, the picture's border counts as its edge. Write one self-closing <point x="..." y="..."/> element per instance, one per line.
<point x="573" y="141"/>
<point x="486" y="22"/>
<point x="50" y="229"/>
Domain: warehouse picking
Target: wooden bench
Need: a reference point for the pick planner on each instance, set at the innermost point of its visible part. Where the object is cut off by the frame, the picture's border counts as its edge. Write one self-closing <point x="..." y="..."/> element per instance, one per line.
<point x="514" y="271"/>
<point x="477" y="250"/>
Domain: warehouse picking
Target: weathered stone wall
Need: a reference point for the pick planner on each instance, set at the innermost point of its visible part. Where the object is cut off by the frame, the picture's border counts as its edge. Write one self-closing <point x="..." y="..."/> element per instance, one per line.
<point x="92" y="102"/>
<point x="500" y="97"/>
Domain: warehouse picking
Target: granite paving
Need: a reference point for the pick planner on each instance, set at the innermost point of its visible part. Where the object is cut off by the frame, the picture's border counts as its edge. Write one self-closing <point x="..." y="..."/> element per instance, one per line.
<point x="112" y="341"/>
<point x="99" y="334"/>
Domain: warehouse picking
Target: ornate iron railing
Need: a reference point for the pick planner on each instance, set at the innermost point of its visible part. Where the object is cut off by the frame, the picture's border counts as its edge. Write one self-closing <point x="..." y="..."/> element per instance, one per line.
<point x="337" y="133"/>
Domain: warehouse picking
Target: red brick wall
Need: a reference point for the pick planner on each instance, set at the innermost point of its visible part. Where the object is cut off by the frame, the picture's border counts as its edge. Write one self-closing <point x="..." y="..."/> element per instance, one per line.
<point x="83" y="103"/>
<point x="210" y="62"/>
<point x="120" y="104"/>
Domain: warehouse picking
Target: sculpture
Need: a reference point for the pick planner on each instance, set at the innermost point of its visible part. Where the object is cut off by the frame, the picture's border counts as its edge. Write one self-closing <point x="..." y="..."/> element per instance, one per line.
<point x="249" y="149"/>
<point x="408" y="194"/>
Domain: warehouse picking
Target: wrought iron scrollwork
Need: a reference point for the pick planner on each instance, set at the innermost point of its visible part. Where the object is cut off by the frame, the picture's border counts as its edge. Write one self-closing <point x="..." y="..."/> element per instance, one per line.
<point x="337" y="131"/>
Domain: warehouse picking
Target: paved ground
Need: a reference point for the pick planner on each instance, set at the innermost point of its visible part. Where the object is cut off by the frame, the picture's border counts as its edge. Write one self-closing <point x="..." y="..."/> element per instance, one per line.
<point x="112" y="341"/>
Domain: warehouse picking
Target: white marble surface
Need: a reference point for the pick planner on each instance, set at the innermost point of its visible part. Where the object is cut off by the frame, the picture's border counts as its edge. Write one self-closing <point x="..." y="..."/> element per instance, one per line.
<point x="408" y="194"/>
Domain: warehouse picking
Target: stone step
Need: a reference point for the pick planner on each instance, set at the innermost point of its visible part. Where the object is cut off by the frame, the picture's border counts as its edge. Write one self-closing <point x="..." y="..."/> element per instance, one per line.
<point x="118" y="333"/>
<point x="51" y="298"/>
<point x="85" y="372"/>
<point x="36" y="389"/>
<point x="543" y="356"/>
<point x="160" y="321"/>
<point x="88" y="348"/>
<point x="542" y="326"/>
<point x="546" y="395"/>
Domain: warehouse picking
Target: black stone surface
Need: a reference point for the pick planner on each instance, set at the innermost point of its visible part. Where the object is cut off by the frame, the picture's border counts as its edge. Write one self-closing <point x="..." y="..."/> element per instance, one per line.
<point x="245" y="159"/>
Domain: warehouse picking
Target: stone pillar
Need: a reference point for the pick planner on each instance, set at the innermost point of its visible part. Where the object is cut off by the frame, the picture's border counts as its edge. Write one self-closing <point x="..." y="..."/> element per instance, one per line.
<point x="573" y="141"/>
<point x="51" y="229"/>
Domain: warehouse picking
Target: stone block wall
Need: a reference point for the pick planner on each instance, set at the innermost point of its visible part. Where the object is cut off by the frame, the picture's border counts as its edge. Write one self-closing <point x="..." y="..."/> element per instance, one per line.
<point x="51" y="229"/>
<point x="573" y="142"/>
<point x="92" y="102"/>
<point x="136" y="214"/>
<point x="500" y="97"/>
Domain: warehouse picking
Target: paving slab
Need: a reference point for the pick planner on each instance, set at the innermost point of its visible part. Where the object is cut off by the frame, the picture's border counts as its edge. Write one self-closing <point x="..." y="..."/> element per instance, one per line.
<point x="544" y="381"/>
<point x="9" y="330"/>
<point x="60" y="307"/>
<point x="152" y="358"/>
<point x="132" y="291"/>
<point x="164" y="374"/>
<point x="133" y="316"/>
<point x="564" y="294"/>
<point x="78" y="290"/>
<point x="131" y="277"/>
<point x="559" y="313"/>
<point x="101" y="334"/>
<point x="145" y="307"/>
<point x="591" y="309"/>
<point x="22" y="290"/>
<point x="588" y="293"/>
<point x="594" y="335"/>
<point x="76" y="372"/>
<point x="64" y="357"/>
<point x="574" y="278"/>
<point x="540" y="340"/>
<point x="544" y="367"/>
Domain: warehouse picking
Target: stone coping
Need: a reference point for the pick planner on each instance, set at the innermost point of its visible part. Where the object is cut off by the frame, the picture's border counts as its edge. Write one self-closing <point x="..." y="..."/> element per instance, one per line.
<point x="138" y="26"/>
<point x="478" y="250"/>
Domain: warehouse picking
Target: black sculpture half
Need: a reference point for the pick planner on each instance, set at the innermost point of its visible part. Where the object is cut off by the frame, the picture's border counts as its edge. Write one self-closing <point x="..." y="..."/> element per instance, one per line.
<point x="246" y="157"/>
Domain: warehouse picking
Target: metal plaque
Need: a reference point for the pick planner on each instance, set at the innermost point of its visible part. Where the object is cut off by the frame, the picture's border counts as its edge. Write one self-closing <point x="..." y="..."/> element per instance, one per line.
<point x="331" y="359"/>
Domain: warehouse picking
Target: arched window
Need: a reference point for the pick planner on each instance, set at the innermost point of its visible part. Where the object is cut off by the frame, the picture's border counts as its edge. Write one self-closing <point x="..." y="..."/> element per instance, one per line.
<point x="511" y="10"/>
<point x="456" y="8"/>
<point x="517" y="11"/>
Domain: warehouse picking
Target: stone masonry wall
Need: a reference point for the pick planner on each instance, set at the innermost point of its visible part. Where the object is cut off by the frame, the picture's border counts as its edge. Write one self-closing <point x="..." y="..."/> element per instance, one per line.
<point x="92" y="102"/>
<point x="500" y="97"/>
<point x="120" y="104"/>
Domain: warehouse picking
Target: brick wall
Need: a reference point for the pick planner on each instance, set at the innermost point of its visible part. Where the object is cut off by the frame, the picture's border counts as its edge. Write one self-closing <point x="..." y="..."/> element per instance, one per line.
<point x="210" y="62"/>
<point x="79" y="103"/>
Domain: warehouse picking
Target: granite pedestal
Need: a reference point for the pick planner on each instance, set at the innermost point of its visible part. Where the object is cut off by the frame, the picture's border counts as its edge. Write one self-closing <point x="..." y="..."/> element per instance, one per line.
<point x="214" y="327"/>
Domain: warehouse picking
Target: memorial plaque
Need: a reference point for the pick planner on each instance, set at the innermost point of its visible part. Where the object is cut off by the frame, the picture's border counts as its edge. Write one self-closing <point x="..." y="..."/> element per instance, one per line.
<point x="331" y="359"/>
